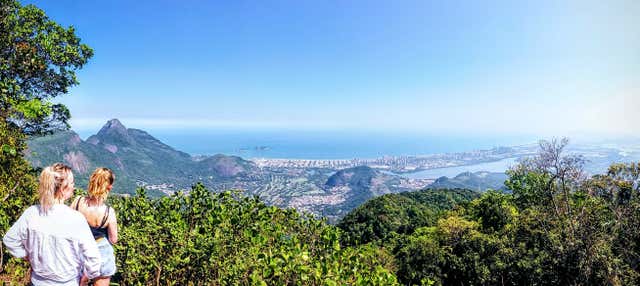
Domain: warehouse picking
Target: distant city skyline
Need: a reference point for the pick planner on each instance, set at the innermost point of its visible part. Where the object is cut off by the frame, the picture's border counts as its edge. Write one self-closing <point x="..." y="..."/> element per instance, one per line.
<point x="544" y="68"/>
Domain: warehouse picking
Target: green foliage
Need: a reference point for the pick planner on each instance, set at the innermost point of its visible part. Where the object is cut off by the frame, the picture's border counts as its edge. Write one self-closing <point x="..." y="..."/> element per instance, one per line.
<point x="453" y="252"/>
<point x="421" y="258"/>
<point x="381" y="217"/>
<point x="620" y="191"/>
<point x="17" y="189"/>
<point x="491" y="241"/>
<point x="558" y="227"/>
<point x="528" y="187"/>
<point x="202" y="238"/>
<point x="494" y="211"/>
<point x="225" y="238"/>
<point x="38" y="60"/>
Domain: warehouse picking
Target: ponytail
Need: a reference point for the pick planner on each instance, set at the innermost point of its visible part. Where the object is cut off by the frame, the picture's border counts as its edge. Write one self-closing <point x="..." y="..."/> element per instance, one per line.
<point x="99" y="183"/>
<point x="46" y="188"/>
<point x="52" y="179"/>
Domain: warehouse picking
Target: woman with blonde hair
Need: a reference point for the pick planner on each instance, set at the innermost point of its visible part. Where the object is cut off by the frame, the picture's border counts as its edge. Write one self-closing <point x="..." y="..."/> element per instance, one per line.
<point x="102" y="221"/>
<point x="54" y="238"/>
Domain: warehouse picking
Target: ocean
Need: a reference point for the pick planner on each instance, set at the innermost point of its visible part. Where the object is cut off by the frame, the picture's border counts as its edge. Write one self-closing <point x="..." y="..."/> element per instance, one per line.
<point x="294" y="144"/>
<point x="334" y="144"/>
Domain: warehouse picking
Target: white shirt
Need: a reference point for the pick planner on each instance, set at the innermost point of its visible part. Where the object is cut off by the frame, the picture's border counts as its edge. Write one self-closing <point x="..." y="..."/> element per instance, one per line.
<point x="59" y="245"/>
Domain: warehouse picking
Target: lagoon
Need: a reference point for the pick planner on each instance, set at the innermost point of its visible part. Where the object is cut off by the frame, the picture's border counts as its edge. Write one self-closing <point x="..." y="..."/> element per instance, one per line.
<point x="496" y="166"/>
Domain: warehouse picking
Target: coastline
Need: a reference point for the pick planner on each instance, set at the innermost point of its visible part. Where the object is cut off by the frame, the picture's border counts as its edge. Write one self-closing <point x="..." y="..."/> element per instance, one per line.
<point x="408" y="166"/>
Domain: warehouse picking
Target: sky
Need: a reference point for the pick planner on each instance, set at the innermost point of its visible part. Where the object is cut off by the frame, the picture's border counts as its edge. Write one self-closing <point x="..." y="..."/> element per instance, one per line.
<point x="547" y="68"/>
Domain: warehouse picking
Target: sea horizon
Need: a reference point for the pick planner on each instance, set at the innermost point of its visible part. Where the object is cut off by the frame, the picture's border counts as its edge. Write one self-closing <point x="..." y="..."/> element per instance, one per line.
<point x="251" y="144"/>
<point x="324" y="144"/>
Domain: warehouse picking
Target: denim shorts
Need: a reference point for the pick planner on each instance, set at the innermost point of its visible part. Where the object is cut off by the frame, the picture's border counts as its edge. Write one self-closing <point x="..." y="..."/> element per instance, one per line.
<point x="108" y="267"/>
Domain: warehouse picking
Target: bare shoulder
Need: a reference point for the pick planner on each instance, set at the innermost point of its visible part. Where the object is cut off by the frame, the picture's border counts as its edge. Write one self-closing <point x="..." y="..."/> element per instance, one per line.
<point x="75" y="202"/>
<point x="112" y="213"/>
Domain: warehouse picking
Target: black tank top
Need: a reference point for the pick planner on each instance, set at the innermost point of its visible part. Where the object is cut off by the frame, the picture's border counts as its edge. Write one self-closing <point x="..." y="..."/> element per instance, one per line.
<point x="101" y="230"/>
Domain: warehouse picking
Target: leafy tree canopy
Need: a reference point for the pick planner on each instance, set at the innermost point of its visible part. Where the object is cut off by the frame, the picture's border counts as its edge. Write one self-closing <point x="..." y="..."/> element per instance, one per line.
<point x="38" y="61"/>
<point x="402" y="213"/>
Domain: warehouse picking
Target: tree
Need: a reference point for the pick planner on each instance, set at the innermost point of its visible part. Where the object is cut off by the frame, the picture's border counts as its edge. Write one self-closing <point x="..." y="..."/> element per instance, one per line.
<point x="539" y="179"/>
<point x="620" y="189"/>
<point x="494" y="210"/>
<point x="38" y="60"/>
<point x="383" y="217"/>
<point x="567" y="216"/>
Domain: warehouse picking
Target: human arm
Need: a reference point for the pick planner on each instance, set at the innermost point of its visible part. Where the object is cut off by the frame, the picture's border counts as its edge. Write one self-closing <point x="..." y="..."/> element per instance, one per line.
<point x="15" y="236"/>
<point x="112" y="227"/>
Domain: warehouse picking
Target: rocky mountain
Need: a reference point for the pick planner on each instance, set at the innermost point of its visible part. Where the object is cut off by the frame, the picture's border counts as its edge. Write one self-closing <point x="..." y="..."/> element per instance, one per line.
<point x="137" y="158"/>
<point x="140" y="160"/>
<point x="478" y="181"/>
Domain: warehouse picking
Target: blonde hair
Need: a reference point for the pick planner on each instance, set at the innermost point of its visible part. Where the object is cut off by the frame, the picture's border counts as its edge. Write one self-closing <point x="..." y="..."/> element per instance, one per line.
<point x="53" y="179"/>
<point x="99" y="183"/>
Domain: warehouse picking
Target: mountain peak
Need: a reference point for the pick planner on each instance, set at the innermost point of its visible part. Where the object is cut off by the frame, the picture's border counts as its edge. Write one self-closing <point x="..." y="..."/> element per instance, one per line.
<point x="115" y="125"/>
<point x="113" y="130"/>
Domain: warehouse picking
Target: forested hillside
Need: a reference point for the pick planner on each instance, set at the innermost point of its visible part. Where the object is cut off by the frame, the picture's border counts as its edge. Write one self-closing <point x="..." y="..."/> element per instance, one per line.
<point x="379" y="218"/>
<point x="478" y="181"/>
<point x="138" y="158"/>
<point x="558" y="227"/>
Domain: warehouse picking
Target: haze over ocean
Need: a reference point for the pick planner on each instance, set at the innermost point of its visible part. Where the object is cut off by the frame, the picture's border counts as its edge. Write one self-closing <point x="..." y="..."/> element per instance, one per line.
<point x="324" y="144"/>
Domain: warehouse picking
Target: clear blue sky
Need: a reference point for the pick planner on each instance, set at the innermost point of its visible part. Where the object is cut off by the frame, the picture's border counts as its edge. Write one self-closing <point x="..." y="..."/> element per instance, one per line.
<point x="487" y="67"/>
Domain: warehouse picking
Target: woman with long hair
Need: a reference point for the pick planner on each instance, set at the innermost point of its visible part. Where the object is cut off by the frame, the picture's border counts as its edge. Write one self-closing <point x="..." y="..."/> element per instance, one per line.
<point x="54" y="238"/>
<point x="102" y="221"/>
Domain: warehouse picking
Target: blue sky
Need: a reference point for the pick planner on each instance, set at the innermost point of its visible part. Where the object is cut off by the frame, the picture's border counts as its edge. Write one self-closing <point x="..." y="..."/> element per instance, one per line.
<point x="465" y="67"/>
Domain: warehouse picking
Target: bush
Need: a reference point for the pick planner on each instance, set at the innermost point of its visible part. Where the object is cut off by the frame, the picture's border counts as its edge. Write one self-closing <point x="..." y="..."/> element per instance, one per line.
<point x="226" y="238"/>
